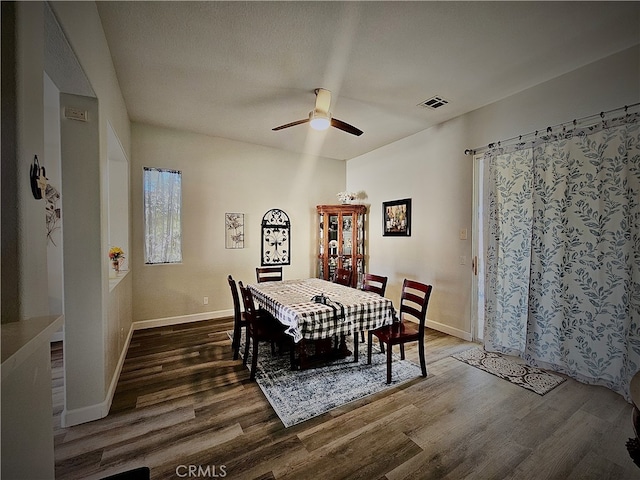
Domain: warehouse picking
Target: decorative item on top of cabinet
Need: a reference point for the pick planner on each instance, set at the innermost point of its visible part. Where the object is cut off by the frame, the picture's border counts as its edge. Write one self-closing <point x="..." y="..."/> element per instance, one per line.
<point x="341" y="240"/>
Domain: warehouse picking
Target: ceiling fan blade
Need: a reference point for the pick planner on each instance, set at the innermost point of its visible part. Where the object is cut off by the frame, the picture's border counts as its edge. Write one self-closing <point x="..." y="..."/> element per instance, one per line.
<point x="323" y="100"/>
<point x="292" y="124"/>
<point x="339" y="124"/>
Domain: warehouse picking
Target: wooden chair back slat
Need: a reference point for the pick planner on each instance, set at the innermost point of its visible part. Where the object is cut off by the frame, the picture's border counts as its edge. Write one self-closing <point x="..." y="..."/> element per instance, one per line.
<point x="343" y="276"/>
<point x="268" y="274"/>
<point x="375" y="283"/>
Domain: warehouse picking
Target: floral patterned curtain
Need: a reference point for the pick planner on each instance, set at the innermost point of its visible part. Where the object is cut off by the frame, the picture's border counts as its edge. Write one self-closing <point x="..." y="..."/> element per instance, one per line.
<point x="563" y="253"/>
<point x="507" y="260"/>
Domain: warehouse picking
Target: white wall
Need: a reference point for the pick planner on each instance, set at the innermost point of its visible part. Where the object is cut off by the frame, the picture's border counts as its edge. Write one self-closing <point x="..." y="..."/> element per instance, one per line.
<point x="604" y="85"/>
<point x="84" y="339"/>
<point x="431" y="168"/>
<point x="26" y="403"/>
<point x="119" y="191"/>
<point x="9" y="246"/>
<point x="223" y="176"/>
<point x="32" y="279"/>
<point x="92" y="346"/>
<point x="27" y="428"/>
<point x="54" y="176"/>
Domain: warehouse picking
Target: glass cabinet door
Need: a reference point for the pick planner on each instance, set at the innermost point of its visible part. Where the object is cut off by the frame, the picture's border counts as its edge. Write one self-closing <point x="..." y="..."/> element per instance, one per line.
<point x="321" y="235"/>
<point x="334" y="226"/>
<point x="346" y="241"/>
<point x="333" y="235"/>
<point x="347" y="234"/>
<point x="341" y="240"/>
<point x="359" y="236"/>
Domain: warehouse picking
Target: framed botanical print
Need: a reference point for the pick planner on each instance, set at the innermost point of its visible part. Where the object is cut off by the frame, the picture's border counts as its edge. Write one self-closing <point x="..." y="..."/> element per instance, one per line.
<point x="396" y="218"/>
<point x="234" y="223"/>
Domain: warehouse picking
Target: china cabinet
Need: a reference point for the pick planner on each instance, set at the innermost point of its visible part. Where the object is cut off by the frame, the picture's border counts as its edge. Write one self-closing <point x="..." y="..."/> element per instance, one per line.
<point x="341" y="240"/>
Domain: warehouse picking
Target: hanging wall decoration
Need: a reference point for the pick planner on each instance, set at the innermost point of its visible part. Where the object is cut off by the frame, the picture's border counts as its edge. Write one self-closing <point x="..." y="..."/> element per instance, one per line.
<point x="276" y="238"/>
<point x="52" y="212"/>
<point x="38" y="179"/>
<point x="396" y="217"/>
<point x="234" y="228"/>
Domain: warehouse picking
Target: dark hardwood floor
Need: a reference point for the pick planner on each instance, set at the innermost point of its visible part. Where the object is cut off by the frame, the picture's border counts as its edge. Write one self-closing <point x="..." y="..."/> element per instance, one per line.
<point x="186" y="409"/>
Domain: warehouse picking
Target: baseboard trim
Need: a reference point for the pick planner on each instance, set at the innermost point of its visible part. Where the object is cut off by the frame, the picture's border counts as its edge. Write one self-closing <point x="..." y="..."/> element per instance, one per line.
<point x="58" y="336"/>
<point x="449" y="330"/>
<point x="69" y="418"/>
<point x="195" y="317"/>
<point x="77" y="416"/>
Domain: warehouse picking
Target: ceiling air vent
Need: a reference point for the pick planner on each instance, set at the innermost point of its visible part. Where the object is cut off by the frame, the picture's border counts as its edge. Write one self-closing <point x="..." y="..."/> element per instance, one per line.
<point x="434" y="102"/>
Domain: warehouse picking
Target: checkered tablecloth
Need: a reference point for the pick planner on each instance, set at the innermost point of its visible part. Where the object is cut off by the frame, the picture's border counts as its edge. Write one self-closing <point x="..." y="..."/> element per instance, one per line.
<point x="290" y="302"/>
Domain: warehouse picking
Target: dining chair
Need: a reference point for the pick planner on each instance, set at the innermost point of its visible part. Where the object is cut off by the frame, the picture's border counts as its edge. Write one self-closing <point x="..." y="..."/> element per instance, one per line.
<point x="376" y="284"/>
<point x="261" y="327"/>
<point x="239" y="318"/>
<point x="414" y="301"/>
<point x="268" y="274"/>
<point x="343" y="276"/>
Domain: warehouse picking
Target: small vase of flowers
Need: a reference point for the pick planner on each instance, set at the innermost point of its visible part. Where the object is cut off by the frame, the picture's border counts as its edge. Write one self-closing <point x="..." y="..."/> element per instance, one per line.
<point x="116" y="255"/>
<point x="346" y="197"/>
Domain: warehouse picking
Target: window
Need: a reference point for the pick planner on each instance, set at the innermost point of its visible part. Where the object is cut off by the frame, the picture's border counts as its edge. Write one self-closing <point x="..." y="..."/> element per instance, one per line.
<point x="162" y="224"/>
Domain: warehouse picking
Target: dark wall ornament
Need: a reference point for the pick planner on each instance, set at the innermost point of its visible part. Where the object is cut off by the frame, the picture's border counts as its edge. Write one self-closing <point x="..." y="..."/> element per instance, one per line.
<point x="38" y="179"/>
<point x="276" y="238"/>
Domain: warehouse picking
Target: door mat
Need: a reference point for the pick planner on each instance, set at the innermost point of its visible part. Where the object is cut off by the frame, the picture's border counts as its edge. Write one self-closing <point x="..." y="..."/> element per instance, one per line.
<point x="531" y="378"/>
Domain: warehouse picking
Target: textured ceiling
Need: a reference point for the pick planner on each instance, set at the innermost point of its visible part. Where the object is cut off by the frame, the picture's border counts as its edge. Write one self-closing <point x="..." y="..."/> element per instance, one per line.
<point x="60" y="62"/>
<point x="238" y="69"/>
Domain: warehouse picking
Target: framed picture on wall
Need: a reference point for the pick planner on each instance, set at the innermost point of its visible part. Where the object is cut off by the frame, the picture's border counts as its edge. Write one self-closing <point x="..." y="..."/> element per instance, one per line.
<point x="234" y="223"/>
<point x="396" y="218"/>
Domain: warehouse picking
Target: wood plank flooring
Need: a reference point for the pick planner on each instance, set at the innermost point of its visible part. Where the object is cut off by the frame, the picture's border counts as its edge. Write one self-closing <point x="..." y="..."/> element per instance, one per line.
<point x="183" y="403"/>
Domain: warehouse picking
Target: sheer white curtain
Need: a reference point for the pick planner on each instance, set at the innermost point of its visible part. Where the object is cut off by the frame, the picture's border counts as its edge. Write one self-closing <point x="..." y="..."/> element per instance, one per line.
<point x="162" y="215"/>
<point x="563" y="253"/>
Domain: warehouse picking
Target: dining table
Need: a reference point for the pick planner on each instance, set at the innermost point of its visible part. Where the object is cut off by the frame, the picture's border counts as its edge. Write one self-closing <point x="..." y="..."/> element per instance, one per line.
<point x="314" y="311"/>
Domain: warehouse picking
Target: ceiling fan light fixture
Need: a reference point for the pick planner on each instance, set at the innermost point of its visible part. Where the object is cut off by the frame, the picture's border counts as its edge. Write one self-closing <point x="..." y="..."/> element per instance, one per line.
<point x="319" y="120"/>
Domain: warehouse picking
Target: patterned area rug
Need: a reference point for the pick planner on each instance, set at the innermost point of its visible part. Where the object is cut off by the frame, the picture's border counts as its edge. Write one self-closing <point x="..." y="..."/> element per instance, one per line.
<point x="525" y="376"/>
<point x="297" y="396"/>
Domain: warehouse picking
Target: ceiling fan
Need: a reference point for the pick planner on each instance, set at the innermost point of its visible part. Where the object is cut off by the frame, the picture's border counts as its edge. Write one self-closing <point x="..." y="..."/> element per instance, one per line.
<point x="320" y="117"/>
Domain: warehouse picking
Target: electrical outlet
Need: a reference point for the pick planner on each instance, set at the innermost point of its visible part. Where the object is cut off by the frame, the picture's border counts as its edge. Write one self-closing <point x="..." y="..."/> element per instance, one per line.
<point x="463" y="234"/>
<point x="463" y="260"/>
<point x="205" y="301"/>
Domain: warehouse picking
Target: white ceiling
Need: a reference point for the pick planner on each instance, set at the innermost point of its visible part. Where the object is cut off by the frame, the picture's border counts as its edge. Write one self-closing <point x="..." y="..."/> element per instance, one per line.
<point x="238" y="69"/>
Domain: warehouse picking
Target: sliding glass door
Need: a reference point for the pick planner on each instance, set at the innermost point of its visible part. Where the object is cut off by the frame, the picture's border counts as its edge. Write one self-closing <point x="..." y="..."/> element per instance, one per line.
<point x="477" y="296"/>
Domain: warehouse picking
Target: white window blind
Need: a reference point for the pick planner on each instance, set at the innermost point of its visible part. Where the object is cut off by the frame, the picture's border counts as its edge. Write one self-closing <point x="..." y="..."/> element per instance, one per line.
<point x="162" y="190"/>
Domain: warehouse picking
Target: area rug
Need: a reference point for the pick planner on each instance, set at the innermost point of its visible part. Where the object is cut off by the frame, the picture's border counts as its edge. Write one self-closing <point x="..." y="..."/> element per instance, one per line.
<point x="297" y="396"/>
<point x="525" y="376"/>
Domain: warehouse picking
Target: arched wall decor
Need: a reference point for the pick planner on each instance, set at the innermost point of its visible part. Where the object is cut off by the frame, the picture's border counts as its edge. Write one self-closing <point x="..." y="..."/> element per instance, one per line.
<point x="276" y="238"/>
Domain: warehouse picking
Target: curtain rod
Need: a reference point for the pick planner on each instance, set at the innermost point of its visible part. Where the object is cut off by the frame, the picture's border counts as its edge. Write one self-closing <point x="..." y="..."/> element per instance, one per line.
<point x="574" y="122"/>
